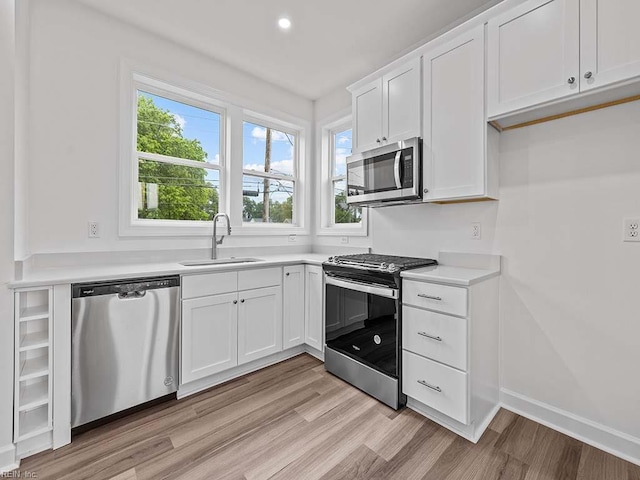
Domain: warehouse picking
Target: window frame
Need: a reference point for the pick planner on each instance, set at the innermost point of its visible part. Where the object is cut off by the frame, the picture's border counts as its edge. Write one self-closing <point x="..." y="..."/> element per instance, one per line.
<point x="134" y="77"/>
<point x="328" y="226"/>
<point x="263" y="121"/>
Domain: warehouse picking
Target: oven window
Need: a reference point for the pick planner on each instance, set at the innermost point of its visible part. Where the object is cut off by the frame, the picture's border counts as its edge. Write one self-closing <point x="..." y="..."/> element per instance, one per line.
<point x="364" y="327"/>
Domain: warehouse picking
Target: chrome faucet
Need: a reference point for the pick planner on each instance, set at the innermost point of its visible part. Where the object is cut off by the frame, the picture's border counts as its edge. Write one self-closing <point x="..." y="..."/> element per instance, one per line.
<point x="215" y="242"/>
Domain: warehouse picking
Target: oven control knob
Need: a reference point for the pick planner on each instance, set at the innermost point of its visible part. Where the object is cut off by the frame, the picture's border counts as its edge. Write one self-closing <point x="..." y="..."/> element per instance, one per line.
<point x="383" y="266"/>
<point x="392" y="267"/>
<point x="332" y="260"/>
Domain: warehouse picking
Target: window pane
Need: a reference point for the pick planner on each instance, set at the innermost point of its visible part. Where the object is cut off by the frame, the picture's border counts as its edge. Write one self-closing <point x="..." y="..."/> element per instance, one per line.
<point x="344" y="213"/>
<point x="268" y="150"/>
<point x="275" y="194"/>
<point x="176" y="129"/>
<point x="175" y="192"/>
<point x="342" y="149"/>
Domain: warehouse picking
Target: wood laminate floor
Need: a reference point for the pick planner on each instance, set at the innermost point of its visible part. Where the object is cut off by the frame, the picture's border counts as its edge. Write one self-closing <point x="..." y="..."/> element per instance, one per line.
<point x="295" y="421"/>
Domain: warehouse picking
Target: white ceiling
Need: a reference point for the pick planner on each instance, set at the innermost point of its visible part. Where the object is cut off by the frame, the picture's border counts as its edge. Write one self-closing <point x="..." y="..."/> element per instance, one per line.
<point x="331" y="43"/>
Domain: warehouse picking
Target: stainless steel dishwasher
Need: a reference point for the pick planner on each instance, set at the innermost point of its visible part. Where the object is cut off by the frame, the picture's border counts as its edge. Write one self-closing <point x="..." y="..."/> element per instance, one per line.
<point x="124" y="345"/>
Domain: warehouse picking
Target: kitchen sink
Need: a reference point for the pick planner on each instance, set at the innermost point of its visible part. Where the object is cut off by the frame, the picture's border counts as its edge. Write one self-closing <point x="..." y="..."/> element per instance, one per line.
<point x="220" y="261"/>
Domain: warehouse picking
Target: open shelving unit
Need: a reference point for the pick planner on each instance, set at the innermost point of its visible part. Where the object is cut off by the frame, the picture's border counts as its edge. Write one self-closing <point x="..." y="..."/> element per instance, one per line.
<point x="33" y="363"/>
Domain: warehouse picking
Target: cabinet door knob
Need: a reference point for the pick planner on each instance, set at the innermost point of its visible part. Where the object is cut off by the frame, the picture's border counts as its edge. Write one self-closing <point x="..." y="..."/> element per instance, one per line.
<point x="384" y="139"/>
<point x="235" y="302"/>
<point x="242" y="301"/>
<point x="588" y="75"/>
<point x="288" y="273"/>
<point x="571" y="80"/>
<point x="377" y="140"/>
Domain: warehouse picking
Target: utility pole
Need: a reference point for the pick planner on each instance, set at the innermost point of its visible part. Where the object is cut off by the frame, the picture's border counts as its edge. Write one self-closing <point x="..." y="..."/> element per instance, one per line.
<point x="267" y="167"/>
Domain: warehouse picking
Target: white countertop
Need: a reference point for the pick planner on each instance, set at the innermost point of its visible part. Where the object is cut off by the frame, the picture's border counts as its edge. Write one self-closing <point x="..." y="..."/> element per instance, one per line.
<point x="93" y="273"/>
<point x="450" y="275"/>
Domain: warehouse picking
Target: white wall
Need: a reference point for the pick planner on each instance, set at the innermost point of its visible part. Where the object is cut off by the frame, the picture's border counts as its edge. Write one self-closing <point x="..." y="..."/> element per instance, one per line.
<point x="7" y="46"/>
<point x="74" y="122"/>
<point x="570" y="324"/>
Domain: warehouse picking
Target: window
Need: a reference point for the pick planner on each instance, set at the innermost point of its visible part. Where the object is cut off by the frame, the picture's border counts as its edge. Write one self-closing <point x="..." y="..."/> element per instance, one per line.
<point x="183" y="160"/>
<point x="341" y="142"/>
<point x="336" y="216"/>
<point x="269" y="167"/>
<point x="178" y="159"/>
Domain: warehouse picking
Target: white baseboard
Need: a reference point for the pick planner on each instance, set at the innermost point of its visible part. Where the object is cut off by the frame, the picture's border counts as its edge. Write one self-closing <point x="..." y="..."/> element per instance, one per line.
<point x="600" y="436"/>
<point x="8" y="459"/>
<point x="314" y="353"/>
<point x="471" y="432"/>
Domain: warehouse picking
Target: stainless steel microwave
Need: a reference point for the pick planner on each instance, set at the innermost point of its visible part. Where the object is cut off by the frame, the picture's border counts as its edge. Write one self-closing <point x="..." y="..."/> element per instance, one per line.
<point x="387" y="175"/>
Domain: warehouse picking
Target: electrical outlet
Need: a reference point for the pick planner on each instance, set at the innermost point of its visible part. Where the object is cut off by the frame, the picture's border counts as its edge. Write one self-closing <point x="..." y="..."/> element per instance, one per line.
<point x="94" y="230"/>
<point x="292" y="238"/>
<point x="344" y="240"/>
<point x="476" y="231"/>
<point x="631" y="232"/>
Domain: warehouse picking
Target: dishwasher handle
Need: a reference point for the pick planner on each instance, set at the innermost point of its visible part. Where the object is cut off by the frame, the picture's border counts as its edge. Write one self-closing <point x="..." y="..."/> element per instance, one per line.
<point x="130" y="288"/>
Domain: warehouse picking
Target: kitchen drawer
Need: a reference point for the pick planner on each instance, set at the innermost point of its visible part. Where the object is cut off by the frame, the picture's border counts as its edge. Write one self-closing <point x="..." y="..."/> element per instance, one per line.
<point x="434" y="335"/>
<point x="449" y="392"/>
<point x="433" y="296"/>
<point x="259" y="278"/>
<point x="206" y="284"/>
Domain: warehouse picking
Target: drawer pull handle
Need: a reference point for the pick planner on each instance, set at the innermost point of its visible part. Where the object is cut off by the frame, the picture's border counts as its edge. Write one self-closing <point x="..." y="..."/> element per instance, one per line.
<point x="432" y="387"/>
<point x="425" y="334"/>
<point x="430" y="297"/>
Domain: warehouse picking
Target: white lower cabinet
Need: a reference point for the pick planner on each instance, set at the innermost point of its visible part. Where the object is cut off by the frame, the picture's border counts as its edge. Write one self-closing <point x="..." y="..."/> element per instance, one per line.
<point x="450" y="353"/>
<point x="209" y="336"/>
<point x="259" y="323"/>
<point x="439" y="386"/>
<point x="314" y="306"/>
<point x="293" y="306"/>
<point x="229" y="329"/>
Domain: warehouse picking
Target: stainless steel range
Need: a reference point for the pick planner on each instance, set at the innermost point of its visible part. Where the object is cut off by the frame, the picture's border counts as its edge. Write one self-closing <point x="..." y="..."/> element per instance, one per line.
<point x="363" y="324"/>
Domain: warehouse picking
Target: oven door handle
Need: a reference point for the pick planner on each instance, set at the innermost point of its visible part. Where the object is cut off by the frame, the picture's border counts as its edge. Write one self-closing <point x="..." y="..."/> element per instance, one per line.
<point x="387" y="292"/>
<point x="396" y="169"/>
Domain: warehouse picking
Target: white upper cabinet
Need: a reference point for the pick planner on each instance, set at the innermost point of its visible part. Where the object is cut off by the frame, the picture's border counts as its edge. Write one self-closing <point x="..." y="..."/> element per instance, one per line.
<point x="456" y="164"/>
<point x="609" y="42"/>
<point x="534" y="55"/>
<point x="388" y="108"/>
<point x="401" y="103"/>
<point x="367" y="121"/>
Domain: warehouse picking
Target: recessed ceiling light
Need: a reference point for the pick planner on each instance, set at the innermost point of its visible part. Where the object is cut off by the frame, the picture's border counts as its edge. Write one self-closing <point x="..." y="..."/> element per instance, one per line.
<point x="284" y="23"/>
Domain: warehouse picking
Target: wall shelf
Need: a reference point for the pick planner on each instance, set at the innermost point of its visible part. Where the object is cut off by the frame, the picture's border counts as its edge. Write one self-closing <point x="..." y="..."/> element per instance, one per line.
<point x="34" y="340"/>
<point x="33" y="423"/>
<point x="33" y="414"/>
<point x="33" y="368"/>
<point x="34" y="395"/>
<point x="34" y="313"/>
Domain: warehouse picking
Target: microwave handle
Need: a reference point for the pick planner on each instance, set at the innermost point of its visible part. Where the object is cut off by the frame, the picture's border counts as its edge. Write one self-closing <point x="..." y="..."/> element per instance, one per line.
<point x="396" y="169"/>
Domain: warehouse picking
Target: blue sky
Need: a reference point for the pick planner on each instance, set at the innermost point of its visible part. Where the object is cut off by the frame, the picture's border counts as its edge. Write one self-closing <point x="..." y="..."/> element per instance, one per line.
<point x="204" y="125"/>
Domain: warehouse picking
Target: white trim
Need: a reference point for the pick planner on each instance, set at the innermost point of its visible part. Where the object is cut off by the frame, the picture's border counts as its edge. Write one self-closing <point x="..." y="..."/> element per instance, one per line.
<point x="8" y="460"/>
<point x="592" y="433"/>
<point x="325" y="207"/>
